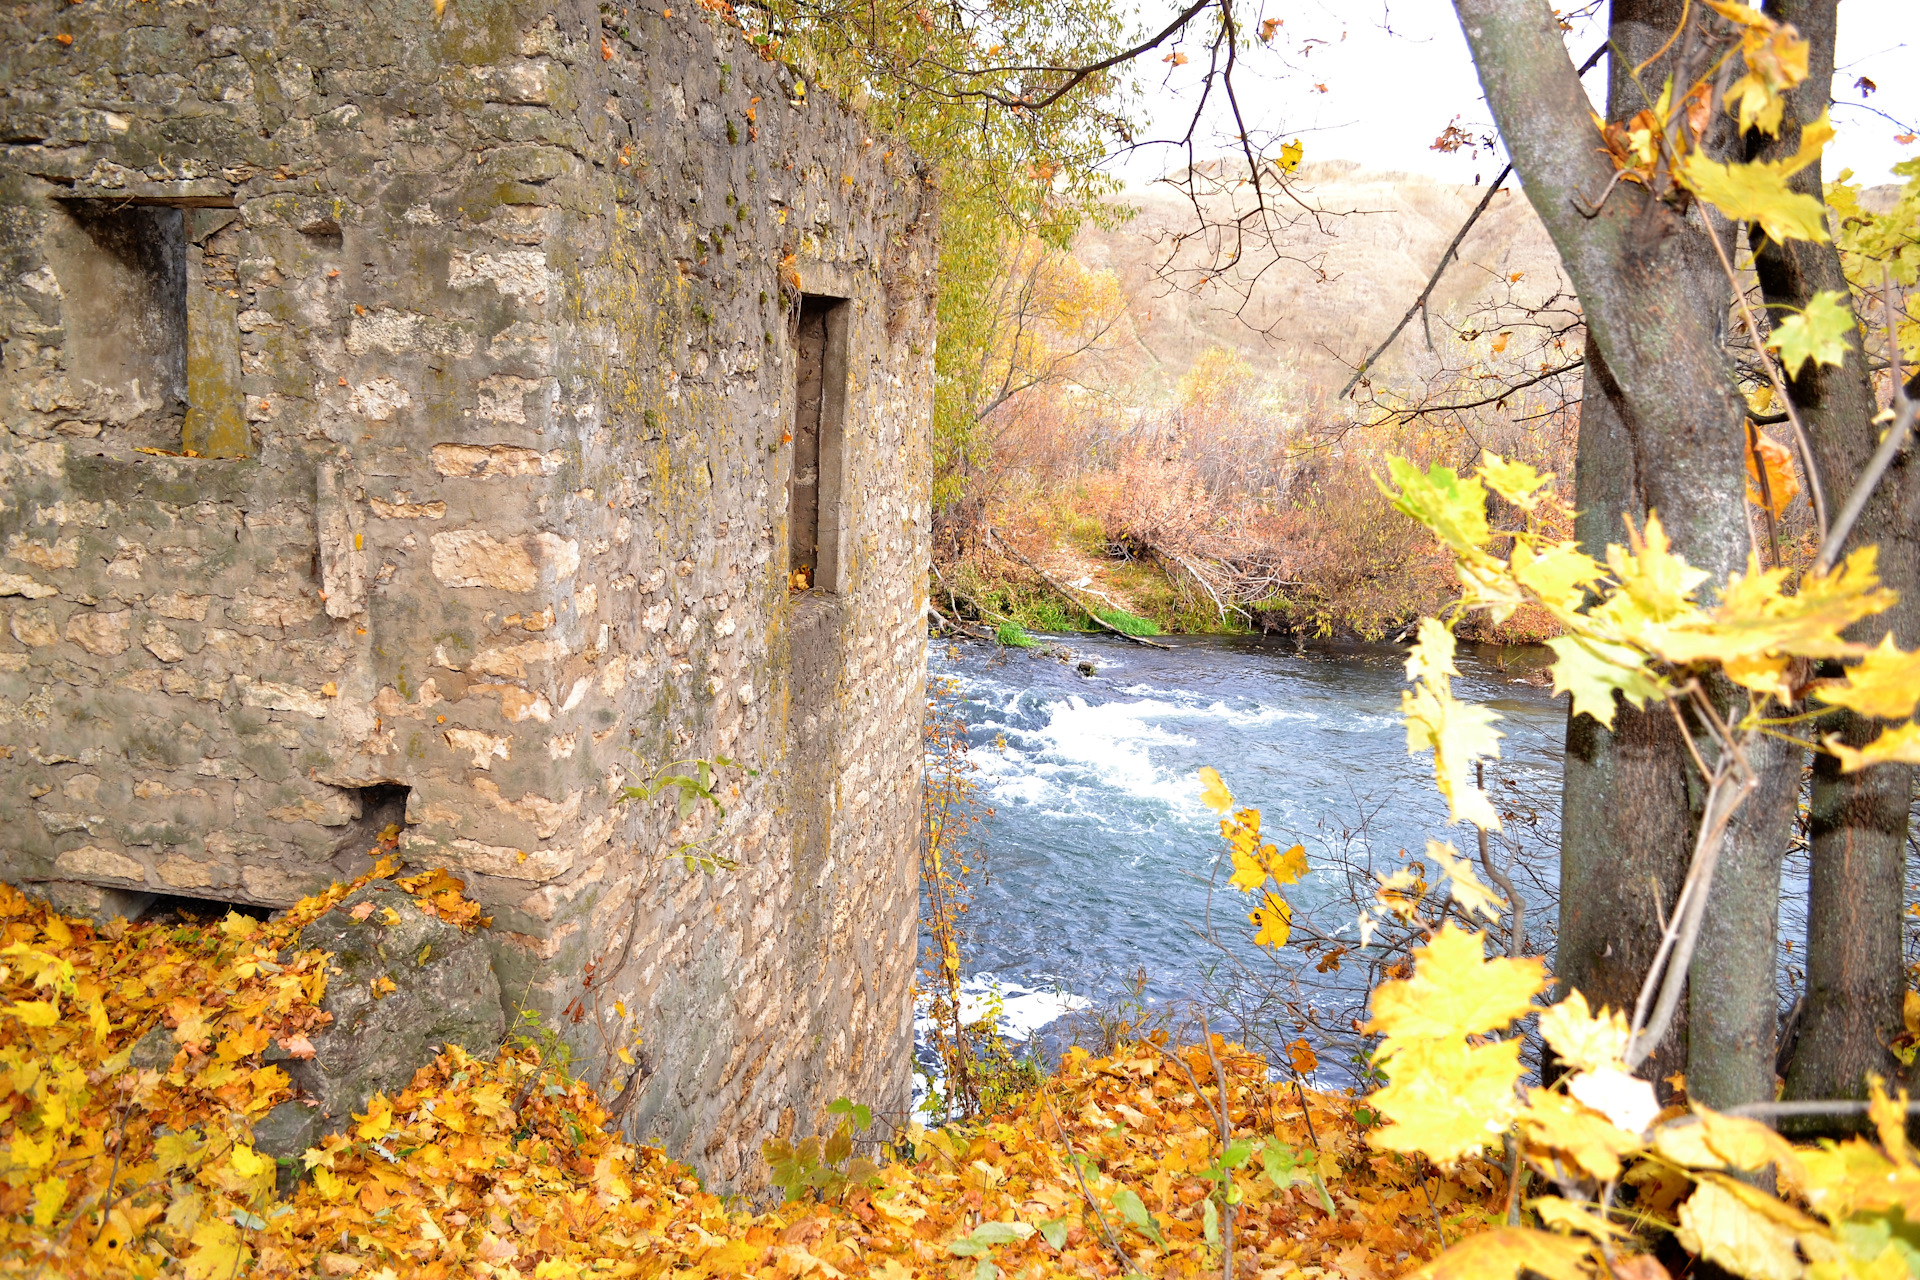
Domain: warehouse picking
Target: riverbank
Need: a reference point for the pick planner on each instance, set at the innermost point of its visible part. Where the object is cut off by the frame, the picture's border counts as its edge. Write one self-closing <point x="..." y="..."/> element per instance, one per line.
<point x="1057" y="570"/>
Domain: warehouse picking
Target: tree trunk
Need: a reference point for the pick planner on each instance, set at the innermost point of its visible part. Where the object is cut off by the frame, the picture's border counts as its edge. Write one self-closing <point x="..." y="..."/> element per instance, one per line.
<point x="1626" y="827"/>
<point x="1858" y="821"/>
<point x="1661" y="430"/>
<point x="1732" y="996"/>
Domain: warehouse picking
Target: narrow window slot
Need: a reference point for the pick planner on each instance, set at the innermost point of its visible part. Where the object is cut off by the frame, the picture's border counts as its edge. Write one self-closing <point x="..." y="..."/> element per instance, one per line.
<point x="151" y="313"/>
<point x="813" y="486"/>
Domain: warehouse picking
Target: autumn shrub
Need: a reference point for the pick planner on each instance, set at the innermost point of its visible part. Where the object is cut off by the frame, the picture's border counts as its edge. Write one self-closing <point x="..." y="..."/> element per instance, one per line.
<point x="1243" y="503"/>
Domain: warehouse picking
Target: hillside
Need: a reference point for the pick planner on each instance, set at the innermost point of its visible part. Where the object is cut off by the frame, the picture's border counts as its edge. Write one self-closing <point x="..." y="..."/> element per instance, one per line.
<point x="1332" y="284"/>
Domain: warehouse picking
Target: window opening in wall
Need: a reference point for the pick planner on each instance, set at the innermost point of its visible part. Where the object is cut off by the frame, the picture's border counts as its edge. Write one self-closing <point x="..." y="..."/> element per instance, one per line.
<point x="813" y="486"/>
<point x="167" y="908"/>
<point x="125" y="296"/>
<point x="151" y="304"/>
<point x="382" y="805"/>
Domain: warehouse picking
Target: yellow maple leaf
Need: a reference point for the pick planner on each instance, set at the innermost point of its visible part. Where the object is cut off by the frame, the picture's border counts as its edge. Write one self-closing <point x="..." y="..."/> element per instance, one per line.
<point x="1898" y="745"/>
<point x="1455" y="990"/>
<point x="1710" y="1140"/>
<point x="1755" y="619"/>
<point x="1559" y="575"/>
<point x="1566" y="1215"/>
<point x="1504" y="1253"/>
<point x="1445" y="1098"/>
<point x="1288" y="867"/>
<point x="248" y="1163"/>
<point x="378" y="1120"/>
<point x="1274" y="920"/>
<point x="1456" y="732"/>
<point x="1213" y="792"/>
<point x="1656" y="586"/>
<point x="1583" y="1039"/>
<point x="34" y="1013"/>
<point x="1249" y="873"/>
<point x="1584" y="1137"/>
<point x="190" y="1020"/>
<point x="49" y="1197"/>
<point x="1472" y="896"/>
<point x="330" y="1184"/>
<point x="1758" y="192"/>
<point x="1775" y="58"/>
<point x="218" y="1251"/>
<point x="1720" y="1226"/>
<point x="1886" y="683"/>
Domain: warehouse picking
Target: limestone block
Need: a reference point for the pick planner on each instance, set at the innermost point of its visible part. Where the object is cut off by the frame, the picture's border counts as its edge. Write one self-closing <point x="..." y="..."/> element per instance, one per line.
<point x="34" y="626"/>
<point x="516" y="273"/>
<point x="475" y="558"/>
<point x="492" y="461"/>
<point x="180" y="606"/>
<point x="342" y="529"/>
<point x="444" y="992"/>
<point x="105" y="634"/>
<point x="94" y="902"/>
<point x="91" y="861"/>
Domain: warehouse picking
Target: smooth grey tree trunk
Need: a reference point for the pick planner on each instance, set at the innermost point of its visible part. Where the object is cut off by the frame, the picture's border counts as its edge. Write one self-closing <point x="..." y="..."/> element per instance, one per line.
<point x="1732" y="995"/>
<point x="1663" y="428"/>
<point x="1858" y="826"/>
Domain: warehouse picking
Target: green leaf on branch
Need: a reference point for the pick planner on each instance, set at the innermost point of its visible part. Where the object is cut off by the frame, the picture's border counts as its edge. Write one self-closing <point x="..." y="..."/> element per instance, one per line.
<point x="1454" y="508"/>
<point x="1818" y="333"/>
<point x="989" y="1234"/>
<point x="1592" y="670"/>
<point x="1134" y="1210"/>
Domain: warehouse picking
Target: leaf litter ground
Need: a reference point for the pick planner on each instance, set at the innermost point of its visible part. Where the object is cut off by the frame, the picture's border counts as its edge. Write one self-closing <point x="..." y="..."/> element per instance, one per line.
<point x="508" y="1167"/>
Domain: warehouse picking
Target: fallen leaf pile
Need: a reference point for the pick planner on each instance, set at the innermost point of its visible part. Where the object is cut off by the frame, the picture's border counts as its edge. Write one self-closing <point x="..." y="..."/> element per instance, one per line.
<point x="507" y="1167"/>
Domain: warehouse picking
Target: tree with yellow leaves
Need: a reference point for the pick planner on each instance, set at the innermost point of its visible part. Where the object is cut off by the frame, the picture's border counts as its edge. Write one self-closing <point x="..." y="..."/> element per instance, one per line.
<point x="1715" y="122"/>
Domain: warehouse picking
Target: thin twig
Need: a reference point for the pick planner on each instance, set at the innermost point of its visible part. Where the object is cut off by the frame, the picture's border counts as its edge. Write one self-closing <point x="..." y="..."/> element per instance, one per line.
<point x="1809" y="1107"/>
<point x="1774" y="379"/>
<point x="1433" y="1209"/>
<point x="1513" y="1180"/>
<point x="1226" y="1141"/>
<point x="1433" y="281"/>
<point x="113" y="1176"/>
<point x="1446" y="258"/>
<point x="1516" y="930"/>
<point x="1113" y="1241"/>
<point x="1730" y="787"/>
<point x="1766" y="489"/>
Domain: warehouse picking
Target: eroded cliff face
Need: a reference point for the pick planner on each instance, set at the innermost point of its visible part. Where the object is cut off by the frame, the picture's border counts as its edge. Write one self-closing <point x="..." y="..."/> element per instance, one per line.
<point x="396" y="430"/>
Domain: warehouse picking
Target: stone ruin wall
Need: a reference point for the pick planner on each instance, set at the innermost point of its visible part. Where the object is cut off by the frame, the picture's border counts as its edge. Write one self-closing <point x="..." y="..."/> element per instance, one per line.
<point x="488" y="358"/>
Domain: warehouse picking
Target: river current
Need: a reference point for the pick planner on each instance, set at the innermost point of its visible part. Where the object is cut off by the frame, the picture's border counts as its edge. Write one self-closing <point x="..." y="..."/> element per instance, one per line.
<point x="1098" y="847"/>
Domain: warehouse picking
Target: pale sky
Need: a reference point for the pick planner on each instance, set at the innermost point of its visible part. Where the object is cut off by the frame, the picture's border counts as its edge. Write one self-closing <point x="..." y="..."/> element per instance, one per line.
<point x="1396" y="72"/>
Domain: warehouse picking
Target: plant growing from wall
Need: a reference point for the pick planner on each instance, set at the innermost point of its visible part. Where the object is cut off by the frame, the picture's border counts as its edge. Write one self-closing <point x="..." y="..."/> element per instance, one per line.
<point x="697" y="782"/>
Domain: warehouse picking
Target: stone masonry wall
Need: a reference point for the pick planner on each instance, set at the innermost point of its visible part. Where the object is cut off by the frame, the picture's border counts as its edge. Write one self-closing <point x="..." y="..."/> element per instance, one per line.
<point x="394" y="418"/>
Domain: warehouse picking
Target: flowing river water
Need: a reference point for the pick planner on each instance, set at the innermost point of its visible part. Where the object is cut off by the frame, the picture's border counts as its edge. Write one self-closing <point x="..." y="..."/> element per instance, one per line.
<point x="1098" y="848"/>
<point x="1094" y="886"/>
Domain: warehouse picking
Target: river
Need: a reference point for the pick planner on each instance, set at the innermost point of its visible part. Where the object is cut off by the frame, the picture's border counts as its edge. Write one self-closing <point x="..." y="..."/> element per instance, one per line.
<point x="1098" y="847"/>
